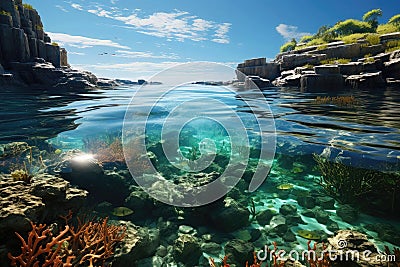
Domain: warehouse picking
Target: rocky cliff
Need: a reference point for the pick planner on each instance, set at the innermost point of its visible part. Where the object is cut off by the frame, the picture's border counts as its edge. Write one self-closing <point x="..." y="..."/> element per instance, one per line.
<point x="332" y="66"/>
<point x="27" y="55"/>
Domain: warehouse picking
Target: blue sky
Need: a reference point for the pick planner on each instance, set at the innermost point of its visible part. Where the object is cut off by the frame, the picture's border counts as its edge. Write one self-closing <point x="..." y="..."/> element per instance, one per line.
<point x="137" y="38"/>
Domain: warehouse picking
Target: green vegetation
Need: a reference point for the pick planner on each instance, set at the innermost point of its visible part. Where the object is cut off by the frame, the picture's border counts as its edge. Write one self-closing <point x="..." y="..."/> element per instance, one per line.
<point x="392" y="46"/>
<point x="352" y="38"/>
<point x="2" y="12"/>
<point x="349" y="31"/>
<point x="27" y="6"/>
<point x="373" y="39"/>
<point x="306" y="38"/>
<point x="369" y="58"/>
<point x="372" y="16"/>
<point x="395" y="20"/>
<point x="387" y="28"/>
<point x="54" y="44"/>
<point x="322" y="46"/>
<point x="351" y="26"/>
<point x="289" y="46"/>
<point x="335" y="61"/>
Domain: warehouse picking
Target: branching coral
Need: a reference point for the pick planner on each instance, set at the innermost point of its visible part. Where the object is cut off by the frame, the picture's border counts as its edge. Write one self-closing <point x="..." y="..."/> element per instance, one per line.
<point x="91" y="244"/>
<point x="42" y="249"/>
<point x="315" y="261"/>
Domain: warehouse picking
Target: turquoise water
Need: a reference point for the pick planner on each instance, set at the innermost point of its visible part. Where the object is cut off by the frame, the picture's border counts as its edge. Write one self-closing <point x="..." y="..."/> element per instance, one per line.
<point x="365" y="133"/>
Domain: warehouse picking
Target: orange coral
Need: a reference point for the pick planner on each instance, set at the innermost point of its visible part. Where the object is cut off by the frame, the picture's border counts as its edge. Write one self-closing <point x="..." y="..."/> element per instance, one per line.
<point x="317" y="262"/>
<point x="39" y="247"/>
<point x="90" y="243"/>
<point x="224" y="262"/>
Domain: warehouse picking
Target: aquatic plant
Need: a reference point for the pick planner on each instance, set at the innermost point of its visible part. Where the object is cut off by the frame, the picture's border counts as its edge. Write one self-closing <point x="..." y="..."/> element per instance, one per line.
<point x="91" y="243"/>
<point x="22" y="175"/>
<point x="3" y="12"/>
<point x="345" y="101"/>
<point x="342" y="182"/>
<point x="252" y="210"/>
<point x="358" y="186"/>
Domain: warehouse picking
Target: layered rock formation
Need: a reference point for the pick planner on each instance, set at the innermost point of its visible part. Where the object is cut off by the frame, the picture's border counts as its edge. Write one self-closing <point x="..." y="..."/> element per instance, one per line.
<point x="27" y="55"/>
<point x="369" y="66"/>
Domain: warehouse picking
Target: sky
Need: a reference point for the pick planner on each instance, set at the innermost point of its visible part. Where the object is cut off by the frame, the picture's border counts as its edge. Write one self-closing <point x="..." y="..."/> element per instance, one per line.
<point x="135" y="39"/>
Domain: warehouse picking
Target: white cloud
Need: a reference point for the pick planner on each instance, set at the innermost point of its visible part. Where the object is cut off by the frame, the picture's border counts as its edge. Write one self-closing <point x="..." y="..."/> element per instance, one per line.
<point x="221" y="34"/>
<point x="77" y="6"/>
<point x="288" y="31"/>
<point x="76" y="53"/>
<point x="82" y="42"/>
<point x="138" y="54"/>
<point x="175" y="25"/>
<point x="61" y="8"/>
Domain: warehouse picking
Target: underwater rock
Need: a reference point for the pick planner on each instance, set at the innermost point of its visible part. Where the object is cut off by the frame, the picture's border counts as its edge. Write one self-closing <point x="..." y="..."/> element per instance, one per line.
<point x="187" y="250"/>
<point x="240" y="252"/>
<point x="386" y="232"/>
<point x="230" y="216"/>
<point x="332" y="226"/>
<point x="211" y="248"/>
<point x="140" y="202"/>
<point x="44" y="199"/>
<point x="326" y="202"/>
<point x="347" y="213"/>
<point x="289" y="236"/>
<point x="278" y="225"/>
<point x="265" y="216"/>
<point x="186" y="229"/>
<point x="139" y="243"/>
<point x="321" y="215"/>
<point x="154" y="261"/>
<point x="308" y="213"/>
<point x="345" y="241"/>
<point x="162" y="251"/>
<point x="306" y="201"/>
<point x="287" y="209"/>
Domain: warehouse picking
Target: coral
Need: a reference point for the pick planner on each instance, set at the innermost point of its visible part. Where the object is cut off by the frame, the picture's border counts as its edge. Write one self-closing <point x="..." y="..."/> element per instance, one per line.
<point x="224" y="262"/>
<point x="316" y="261"/>
<point x="22" y="175"/>
<point x="91" y="244"/>
<point x="107" y="148"/>
<point x="42" y="249"/>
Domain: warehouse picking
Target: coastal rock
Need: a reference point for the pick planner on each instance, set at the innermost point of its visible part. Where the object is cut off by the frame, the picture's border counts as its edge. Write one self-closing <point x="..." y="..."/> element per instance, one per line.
<point x="351" y="68"/>
<point x="288" y="62"/>
<point x="258" y="67"/>
<point x="313" y="82"/>
<point x="240" y="251"/>
<point x="252" y="81"/>
<point x="327" y="70"/>
<point x="392" y="68"/>
<point x="23" y="41"/>
<point x="366" y="80"/>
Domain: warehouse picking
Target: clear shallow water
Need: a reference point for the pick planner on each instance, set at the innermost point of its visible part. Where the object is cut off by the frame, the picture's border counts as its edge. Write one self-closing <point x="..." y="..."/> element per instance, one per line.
<point x="366" y="133"/>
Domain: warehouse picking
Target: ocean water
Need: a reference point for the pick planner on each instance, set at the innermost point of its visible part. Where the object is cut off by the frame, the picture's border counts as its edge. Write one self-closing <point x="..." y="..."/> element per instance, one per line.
<point x="361" y="129"/>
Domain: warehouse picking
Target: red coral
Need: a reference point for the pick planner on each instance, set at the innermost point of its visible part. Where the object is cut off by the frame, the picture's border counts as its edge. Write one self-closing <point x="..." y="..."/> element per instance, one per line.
<point x="317" y="261"/>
